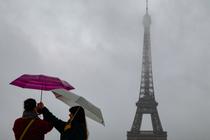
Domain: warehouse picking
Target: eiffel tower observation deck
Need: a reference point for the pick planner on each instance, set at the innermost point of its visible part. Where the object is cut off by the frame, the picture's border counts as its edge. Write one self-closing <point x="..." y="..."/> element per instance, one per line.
<point x="146" y="103"/>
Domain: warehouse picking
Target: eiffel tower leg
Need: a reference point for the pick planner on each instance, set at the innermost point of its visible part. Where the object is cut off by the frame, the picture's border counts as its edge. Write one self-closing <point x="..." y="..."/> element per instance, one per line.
<point x="137" y="121"/>
<point x="156" y="124"/>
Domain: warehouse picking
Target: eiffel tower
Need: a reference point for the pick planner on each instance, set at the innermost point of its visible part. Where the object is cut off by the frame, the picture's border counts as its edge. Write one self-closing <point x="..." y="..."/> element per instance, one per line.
<point x="146" y="103"/>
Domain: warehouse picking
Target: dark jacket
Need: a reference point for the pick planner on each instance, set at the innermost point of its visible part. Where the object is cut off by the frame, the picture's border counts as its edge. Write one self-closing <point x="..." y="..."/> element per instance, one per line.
<point x="36" y="131"/>
<point x="74" y="133"/>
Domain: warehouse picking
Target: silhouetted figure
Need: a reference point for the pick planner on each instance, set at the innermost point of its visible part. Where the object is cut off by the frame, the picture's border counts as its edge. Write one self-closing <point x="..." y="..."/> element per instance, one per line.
<point x="74" y="129"/>
<point x="30" y="126"/>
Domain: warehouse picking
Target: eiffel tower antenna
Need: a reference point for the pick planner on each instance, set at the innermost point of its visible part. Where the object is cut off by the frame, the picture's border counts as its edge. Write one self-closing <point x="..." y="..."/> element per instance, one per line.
<point x="146" y="5"/>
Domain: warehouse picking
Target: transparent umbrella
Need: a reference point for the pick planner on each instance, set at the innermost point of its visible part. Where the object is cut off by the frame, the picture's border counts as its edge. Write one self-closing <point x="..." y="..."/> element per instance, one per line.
<point x="72" y="99"/>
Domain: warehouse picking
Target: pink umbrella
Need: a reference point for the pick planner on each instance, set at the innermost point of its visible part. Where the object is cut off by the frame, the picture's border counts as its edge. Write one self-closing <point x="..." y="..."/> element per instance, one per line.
<point x="41" y="82"/>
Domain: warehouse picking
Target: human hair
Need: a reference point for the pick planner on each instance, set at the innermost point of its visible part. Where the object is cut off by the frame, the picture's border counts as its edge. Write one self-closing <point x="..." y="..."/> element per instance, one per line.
<point x="79" y="117"/>
<point x="29" y="104"/>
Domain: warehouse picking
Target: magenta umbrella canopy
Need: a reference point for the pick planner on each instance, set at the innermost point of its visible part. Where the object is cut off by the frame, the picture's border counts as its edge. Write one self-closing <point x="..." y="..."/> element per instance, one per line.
<point x="41" y="82"/>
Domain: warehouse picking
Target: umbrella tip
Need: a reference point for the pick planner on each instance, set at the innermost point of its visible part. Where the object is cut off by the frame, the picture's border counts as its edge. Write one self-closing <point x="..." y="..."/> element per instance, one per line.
<point x="103" y="123"/>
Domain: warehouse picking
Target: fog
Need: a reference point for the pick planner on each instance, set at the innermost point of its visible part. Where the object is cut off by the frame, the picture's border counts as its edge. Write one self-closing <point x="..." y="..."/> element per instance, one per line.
<point x="96" y="45"/>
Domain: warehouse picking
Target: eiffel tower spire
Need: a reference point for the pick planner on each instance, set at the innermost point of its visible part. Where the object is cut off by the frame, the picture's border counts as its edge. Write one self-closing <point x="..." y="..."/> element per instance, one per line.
<point x="146" y="5"/>
<point x="146" y="103"/>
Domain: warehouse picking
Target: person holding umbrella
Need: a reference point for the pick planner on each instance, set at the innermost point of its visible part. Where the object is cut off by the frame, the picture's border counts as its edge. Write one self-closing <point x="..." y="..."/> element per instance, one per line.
<point x="30" y="126"/>
<point x="74" y="129"/>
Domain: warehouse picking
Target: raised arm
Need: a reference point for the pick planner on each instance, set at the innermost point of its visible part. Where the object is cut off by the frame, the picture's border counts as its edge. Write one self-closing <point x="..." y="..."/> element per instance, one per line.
<point x="48" y="116"/>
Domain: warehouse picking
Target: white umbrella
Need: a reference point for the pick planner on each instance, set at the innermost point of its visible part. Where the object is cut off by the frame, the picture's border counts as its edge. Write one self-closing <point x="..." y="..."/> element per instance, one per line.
<point x="72" y="99"/>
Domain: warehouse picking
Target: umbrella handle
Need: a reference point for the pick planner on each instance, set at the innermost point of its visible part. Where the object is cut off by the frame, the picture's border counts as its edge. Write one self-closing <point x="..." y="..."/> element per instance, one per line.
<point x="41" y="96"/>
<point x="75" y="114"/>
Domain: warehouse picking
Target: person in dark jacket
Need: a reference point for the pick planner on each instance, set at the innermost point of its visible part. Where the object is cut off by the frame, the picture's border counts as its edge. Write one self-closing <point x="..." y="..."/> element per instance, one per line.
<point x="74" y="129"/>
<point x="38" y="127"/>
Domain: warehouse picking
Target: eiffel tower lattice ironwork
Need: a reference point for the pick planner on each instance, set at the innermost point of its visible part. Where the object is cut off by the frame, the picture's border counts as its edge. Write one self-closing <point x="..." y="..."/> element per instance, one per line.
<point x="146" y="103"/>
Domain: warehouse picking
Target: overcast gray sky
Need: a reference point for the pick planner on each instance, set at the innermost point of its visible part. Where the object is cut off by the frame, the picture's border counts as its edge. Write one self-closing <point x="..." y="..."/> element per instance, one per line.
<point x="96" y="45"/>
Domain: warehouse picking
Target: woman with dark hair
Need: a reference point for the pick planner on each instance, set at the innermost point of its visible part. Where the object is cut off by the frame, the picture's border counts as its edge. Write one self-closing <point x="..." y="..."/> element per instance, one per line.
<point x="74" y="129"/>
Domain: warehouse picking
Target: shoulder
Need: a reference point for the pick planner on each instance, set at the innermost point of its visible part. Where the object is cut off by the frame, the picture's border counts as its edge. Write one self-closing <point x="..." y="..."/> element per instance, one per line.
<point x="78" y="128"/>
<point x="19" y="120"/>
<point x="75" y="132"/>
<point x="77" y="124"/>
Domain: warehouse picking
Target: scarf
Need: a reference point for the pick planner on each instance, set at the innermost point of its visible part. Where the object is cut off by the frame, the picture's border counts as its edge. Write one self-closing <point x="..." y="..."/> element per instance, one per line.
<point x="29" y="114"/>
